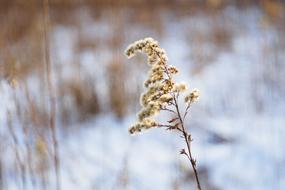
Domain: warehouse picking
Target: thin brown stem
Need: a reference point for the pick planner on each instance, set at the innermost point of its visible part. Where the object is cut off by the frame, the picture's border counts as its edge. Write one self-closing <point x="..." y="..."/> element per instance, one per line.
<point x="188" y="140"/>
<point x="165" y="66"/>
<point x="1" y="173"/>
<point x="183" y="130"/>
<point x="19" y="162"/>
<point x="27" y="136"/>
<point x="169" y="127"/>
<point x="186" y="111"/>
<point x="51" y="94"/>
<point x="167" y="109"/>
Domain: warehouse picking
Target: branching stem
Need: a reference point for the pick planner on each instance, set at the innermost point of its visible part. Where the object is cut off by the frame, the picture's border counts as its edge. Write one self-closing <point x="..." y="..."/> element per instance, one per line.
<point x="188" y="140"/>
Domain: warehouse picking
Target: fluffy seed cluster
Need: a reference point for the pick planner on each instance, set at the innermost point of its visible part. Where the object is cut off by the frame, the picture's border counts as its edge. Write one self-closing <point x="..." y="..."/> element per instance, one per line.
<point x="160" y="86"/>
<point x="193" y="96"/>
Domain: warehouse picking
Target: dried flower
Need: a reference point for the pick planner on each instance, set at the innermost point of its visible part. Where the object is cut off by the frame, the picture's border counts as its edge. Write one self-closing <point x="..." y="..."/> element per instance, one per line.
<point x="193" y="96"/>
<point x="162" y="93"/>
<point x="180" y="87"/>
<point x="160" y="85"/>
<point x="172" y="69"/>
<point x="145" y="124"/>
<point x="148" y="123"/>
<point x="165" y="98"/>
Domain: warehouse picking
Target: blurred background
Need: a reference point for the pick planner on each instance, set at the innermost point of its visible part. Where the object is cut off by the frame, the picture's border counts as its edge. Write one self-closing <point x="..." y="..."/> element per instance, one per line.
<point x="68" y="94"/>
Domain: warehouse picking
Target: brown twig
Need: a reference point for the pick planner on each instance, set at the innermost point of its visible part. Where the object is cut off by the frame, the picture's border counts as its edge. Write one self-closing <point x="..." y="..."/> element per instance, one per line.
<point x="186" y="136"/>
<point x="186" y="111"/>
<point x="169" y="127"/>
<point x="188" y="140"/>
<point x="167" y="109"/>
<point x="21" y="165"/>
<point x="51" y="93"/>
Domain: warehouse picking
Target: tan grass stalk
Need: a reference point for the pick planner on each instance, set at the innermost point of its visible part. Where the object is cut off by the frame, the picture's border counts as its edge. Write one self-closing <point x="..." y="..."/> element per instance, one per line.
<point x="51" y="94"/>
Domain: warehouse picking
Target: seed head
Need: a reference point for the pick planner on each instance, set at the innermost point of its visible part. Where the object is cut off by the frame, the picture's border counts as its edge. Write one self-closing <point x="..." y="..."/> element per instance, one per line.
<point x="193" y="96"/>
<point x="160" y="85"/>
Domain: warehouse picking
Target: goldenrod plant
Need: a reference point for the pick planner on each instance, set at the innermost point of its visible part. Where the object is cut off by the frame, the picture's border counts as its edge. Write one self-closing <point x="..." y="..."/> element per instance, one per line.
<point x="162" y="94"/>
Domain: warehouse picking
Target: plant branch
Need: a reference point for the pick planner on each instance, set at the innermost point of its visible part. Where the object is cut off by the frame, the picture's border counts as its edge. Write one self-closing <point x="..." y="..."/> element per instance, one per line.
<point x="188" y="140"/>
<point x="186" y="111"/>
<point x="167" y="109"/>
<point x="51" y="94"/>
<point x="170" y="127"/>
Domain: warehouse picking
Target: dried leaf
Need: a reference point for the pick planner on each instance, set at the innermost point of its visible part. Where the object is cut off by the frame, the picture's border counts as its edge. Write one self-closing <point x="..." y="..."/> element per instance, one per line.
<point x="190" y="138"/>
<point x="173" y="127"/>
<point x="172" y="120"/>
<point x="183" y="151"/>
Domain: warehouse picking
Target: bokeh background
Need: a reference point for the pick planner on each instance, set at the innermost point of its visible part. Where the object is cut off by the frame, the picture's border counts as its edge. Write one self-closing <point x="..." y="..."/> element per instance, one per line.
<point x="68" y="94"/>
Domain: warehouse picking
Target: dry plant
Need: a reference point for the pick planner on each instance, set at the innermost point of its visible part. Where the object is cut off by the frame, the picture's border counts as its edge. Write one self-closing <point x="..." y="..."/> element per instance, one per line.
<point x="1" y="164"/>
<point x="52" y="108"/>
<point x="117" y="73"/>
<point x="117" y="90"/>
<point x="84" y="100"/>
<point x="163" y="95"/>
<point x="19" y="160"/>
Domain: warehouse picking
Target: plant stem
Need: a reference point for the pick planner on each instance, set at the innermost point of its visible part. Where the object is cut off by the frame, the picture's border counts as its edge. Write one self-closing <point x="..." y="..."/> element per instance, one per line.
<point x="185" y="134"/>
<point x="187" y="139"/>
<point x="51" y="94"/>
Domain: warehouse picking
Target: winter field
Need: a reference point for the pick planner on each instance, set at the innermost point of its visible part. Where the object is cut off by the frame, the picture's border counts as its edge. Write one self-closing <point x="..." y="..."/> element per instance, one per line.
<point x="68" y="95"/>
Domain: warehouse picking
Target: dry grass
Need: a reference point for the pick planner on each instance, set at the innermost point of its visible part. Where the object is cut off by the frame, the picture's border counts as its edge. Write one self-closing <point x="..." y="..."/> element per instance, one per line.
<point x="78" y="99"/>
